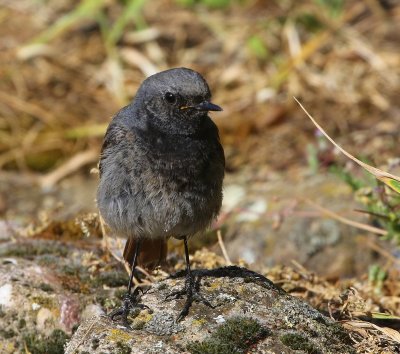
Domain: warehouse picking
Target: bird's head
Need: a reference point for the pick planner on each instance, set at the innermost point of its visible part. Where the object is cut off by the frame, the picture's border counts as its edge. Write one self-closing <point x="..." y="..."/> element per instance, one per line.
<point x="175" y="100"/>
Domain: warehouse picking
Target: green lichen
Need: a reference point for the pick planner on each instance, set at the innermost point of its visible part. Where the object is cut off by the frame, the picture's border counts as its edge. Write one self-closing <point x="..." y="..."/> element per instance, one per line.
<point x="140" y="320"/>
<point x="199" y="323"/>
<point x="44" y="301"/>
<point x="118" y="335"/>
<point x="296" y="341"/>
<point x="215" y="285"/>
<point x="235" y="336"/>
<point x="53" y="344"/>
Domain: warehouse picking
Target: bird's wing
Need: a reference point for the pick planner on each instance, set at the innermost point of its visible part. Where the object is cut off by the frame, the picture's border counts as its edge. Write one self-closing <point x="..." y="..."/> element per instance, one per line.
<point x="115" y="134"/>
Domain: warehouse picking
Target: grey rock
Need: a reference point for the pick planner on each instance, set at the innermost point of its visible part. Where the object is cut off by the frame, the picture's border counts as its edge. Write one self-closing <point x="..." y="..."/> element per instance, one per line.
<point x="261" y="318"/>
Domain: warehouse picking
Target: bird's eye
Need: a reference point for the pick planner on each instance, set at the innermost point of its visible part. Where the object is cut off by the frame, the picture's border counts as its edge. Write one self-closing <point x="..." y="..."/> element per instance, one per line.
<point x="170" y="97"/>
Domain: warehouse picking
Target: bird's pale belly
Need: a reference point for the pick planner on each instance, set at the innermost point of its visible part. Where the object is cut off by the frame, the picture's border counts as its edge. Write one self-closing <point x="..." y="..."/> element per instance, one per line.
<point x="160" y="212"/>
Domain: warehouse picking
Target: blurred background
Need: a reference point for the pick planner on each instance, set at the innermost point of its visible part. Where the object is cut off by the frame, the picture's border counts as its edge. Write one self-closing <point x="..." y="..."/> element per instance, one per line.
<point x="294" y="208"/>
<point x="67" y="66"/>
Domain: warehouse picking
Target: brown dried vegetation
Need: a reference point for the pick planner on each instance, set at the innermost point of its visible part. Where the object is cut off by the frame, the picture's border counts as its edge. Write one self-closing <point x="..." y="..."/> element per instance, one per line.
<point x="60" y="85"/>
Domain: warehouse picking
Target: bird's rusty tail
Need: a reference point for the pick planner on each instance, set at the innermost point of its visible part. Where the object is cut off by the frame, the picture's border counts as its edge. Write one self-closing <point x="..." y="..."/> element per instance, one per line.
<point x="152" y="252"/>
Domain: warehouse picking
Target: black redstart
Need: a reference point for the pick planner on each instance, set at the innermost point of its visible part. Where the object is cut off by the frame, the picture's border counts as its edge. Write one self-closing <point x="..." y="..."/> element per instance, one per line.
<point x="161" y="171"/>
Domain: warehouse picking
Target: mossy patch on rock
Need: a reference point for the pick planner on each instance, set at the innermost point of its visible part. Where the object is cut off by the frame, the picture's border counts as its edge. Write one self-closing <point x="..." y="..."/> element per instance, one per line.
<point x="235" y="336"/>
<point x="123" y="348"/>
<point x="52" y="344"/>
<point x="296" y="341"/>
<point x="29" y="250"/>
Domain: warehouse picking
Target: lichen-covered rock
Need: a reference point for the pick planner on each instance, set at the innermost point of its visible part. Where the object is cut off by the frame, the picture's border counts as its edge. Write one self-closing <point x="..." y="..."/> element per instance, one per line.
<point x="36" y="313"/>
<point x="46" y="289"/>
<point x="250" y="315"/>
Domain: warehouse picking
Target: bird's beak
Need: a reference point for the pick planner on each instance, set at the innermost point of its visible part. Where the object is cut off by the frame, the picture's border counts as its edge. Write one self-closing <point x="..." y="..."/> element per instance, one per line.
<point x="207" y="106"/>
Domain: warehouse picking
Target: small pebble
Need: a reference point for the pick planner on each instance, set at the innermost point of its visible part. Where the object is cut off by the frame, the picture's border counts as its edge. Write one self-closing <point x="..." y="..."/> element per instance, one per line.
<point x="35" y="306"/>
<point x="5" y="295"/>
<point x="219" y="319"/>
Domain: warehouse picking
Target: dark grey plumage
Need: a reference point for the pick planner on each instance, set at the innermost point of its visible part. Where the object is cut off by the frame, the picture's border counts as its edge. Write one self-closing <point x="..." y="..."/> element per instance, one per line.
<point x="161" y="167"/>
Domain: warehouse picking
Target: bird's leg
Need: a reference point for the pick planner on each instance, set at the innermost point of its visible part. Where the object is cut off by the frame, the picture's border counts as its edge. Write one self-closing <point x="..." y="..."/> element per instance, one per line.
<point x="191" y="289"/>
<point x="129" y="301"/>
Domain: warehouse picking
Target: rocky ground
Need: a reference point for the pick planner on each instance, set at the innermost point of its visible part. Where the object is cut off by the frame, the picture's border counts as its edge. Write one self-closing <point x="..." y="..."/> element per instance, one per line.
<point x="250" y="315"/>
<point x="55" y="274"/>
<point x="43" y="300"/>
<point x="54" y="292"/>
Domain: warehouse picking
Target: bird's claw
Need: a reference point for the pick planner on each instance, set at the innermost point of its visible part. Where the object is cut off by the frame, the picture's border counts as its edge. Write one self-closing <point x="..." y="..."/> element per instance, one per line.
<point x="177" y="294"/>
<point x="192" y="295"/>
<point x="129" y="302"/>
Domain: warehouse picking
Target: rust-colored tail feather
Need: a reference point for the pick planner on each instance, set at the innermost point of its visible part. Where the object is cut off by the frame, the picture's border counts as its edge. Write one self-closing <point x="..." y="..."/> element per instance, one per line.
<point x="152" y="252"/>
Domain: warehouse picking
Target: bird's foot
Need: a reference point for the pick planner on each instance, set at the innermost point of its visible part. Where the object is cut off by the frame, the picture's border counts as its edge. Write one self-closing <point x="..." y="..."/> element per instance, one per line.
<point x="192" y="292"/>
<point x="129" y="302"/>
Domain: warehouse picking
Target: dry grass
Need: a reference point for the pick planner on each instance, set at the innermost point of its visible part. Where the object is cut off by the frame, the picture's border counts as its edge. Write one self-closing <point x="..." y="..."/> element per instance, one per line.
<point x="368" y="313"/>
<point x="57" y="95"/>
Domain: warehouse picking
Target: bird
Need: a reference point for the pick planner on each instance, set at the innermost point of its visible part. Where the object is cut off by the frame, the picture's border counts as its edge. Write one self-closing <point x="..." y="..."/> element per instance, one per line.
<point x="162" y="167"/>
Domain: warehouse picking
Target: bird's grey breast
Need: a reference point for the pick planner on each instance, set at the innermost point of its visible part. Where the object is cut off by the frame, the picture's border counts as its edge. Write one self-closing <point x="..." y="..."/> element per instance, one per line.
<point x="159" y="186"/>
